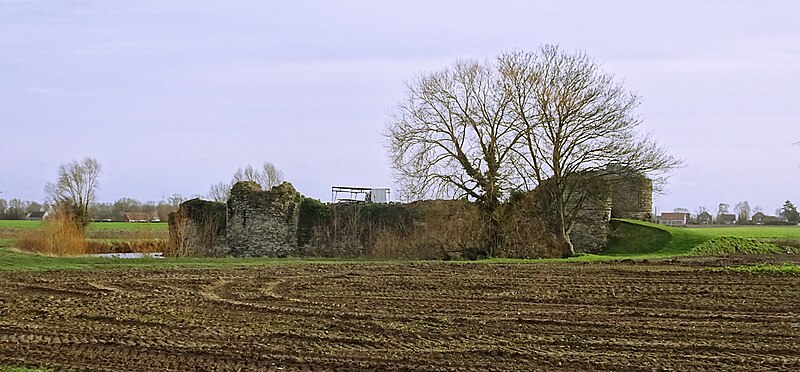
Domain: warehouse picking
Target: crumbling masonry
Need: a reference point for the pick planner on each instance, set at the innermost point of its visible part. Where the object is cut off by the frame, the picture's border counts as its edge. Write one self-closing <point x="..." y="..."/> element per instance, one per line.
<point x="280" y="222"/>
<point x="263" y="223"/>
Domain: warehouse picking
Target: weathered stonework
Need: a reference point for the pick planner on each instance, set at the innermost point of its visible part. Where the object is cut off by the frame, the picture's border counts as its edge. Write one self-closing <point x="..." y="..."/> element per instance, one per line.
<point x="632" y="197"/>
<point x="263" y="223"/>
<point x="590" y="232"/>
<point x="197" y="229"/>
<point x="280" y="222"/>
<point x="430" y="229"/>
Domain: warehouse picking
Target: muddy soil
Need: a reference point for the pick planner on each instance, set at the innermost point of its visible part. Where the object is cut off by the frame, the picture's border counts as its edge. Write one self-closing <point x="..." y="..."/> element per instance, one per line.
<point x="430" y="316"/>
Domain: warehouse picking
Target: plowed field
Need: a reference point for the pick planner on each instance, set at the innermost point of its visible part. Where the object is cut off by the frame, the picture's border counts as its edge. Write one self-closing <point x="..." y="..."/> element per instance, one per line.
<point x="430" y="316"/>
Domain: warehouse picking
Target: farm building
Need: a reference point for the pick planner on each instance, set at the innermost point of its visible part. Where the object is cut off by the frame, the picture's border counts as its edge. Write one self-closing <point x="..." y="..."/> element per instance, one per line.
<point x="673" y="218"/>
<point x="704" y="218"/>
<point x="760" y="218"/>
<point x="726" y="218"/>
<point x="35" y="216"/>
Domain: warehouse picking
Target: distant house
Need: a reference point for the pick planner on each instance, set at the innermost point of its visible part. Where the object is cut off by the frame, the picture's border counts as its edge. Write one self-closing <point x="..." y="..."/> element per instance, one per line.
<point x="35" y="216"/>
<point x="138" y="217"/>
<point x="673" y="218"/>
<point x="762" y="219"/>
<point x="726" y="219"/>
<point x="704" y="218"/>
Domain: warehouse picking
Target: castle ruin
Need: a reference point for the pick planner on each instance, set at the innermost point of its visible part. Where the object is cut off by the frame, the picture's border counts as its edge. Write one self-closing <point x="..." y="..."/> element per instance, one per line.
<point x="262" y="223"/>
<point x="280" y="222"/>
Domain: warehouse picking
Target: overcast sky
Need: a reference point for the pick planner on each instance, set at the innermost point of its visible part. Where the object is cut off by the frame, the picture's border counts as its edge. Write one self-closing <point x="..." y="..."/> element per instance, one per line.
<point x="173" y="96"/>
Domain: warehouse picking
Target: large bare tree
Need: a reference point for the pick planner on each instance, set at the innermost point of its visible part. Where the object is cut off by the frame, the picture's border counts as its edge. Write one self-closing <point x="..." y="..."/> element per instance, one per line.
<point x="75" y="189"/>
<point x="580" y="130"/>
<point x="452" y="136"/>
<point x="546" y="119"/>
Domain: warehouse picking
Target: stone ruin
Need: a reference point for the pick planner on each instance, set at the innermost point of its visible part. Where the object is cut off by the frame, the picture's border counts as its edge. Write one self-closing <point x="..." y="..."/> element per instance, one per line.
<point x="198" y="229"/>
<point x="615" y="192"/>
<point x="632" y="198"/>
<point x="280" y="222"/>
<point x="263" y="223"/>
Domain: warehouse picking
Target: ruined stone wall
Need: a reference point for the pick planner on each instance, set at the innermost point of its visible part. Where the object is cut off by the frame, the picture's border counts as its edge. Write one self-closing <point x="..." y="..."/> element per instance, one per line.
<point x="263" y="223"/>
<point x="431" y="229"/>
<point x="280" y="222"/>
<point x="444" y="229"/>
<point x="591" y="229"/>
<point x="589" y="233"/>
<point x="632" y="197"/>
<point x="197" y="229"/>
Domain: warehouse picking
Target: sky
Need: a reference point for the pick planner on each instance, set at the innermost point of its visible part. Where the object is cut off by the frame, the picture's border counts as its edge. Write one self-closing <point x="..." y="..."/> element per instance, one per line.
<point x="171" y="96"/>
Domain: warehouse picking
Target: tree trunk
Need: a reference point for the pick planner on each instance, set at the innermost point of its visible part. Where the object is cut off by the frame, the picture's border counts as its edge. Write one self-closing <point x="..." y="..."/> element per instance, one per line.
<point x="563" y="229"/>
<point x="569" y="249"/>
<point x="493" y="236"/>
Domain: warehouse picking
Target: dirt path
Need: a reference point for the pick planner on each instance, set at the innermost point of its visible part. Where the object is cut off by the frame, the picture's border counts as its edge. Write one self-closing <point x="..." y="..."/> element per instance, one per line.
<point x="433" y="316"/>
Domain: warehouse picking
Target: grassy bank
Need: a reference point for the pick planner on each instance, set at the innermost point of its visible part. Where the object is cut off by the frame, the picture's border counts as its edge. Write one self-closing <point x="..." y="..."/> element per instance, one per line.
<point x="637" y="239"/>
<point x="755" y="232"/>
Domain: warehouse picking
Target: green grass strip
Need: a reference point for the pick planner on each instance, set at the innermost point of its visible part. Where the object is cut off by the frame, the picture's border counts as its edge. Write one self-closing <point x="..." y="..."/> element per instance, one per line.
<point x="148" y="226"/>
<point x="764" y="268"/>
<point x="726" y="245"/>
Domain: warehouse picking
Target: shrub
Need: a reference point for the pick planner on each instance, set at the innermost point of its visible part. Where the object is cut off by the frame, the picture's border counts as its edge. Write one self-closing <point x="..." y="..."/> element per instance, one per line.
<point x="59" y="235"/>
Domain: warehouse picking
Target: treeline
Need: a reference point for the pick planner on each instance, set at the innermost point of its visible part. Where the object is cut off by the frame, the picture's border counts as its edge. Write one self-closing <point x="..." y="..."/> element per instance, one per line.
<point x="743" y="214"/>
<point x="17" y="209"/>
<point x="116" y="211"/>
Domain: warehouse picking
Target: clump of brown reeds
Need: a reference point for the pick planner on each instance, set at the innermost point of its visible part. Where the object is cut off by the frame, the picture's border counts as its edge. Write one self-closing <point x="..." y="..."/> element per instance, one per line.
<point x="59" y="236"/>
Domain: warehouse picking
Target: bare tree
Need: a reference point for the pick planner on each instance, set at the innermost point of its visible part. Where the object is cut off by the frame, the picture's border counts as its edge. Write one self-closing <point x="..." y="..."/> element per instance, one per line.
<point x="268" y="176"/>
<point x="271" y="175"/>
<point x="453" y="136"/>
<point x="742" y="209"/>
<point x="549" y="119"/>
<point x="219" y="192"/>
<point x="175" y="200"/>
<point x="75" y="189"/>
<point x="248" y="173"/>
<point x="579" y="130"/>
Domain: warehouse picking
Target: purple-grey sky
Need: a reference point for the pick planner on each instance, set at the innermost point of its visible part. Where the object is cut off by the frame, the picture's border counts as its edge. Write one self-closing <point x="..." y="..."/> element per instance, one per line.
<point x="174" y="95"/>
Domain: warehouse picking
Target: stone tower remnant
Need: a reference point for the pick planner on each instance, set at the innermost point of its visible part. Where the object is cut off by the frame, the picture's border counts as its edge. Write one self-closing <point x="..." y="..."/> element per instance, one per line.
<point x="263" y="223"/>
<point x="631" y="196"/>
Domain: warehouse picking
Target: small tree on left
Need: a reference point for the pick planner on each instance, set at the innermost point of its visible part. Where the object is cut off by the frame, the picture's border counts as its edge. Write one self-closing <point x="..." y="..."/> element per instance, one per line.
<point x="75" y="189"/>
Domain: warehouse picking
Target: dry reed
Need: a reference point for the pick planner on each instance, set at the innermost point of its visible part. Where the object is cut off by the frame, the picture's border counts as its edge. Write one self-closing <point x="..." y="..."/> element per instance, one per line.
<point x="59" y="236"/>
